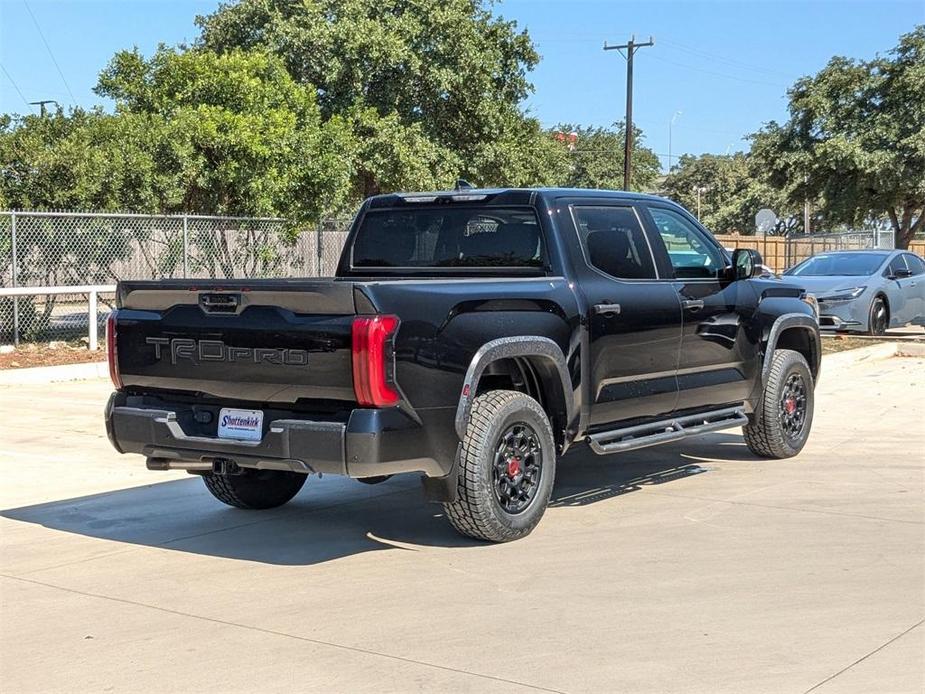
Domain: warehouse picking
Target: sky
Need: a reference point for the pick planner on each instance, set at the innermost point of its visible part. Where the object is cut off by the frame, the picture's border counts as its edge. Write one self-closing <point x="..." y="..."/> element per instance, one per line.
<point x="719" y="69"/>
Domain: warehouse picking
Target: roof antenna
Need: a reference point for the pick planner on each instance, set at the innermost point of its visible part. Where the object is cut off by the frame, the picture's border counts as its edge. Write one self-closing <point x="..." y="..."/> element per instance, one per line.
<point x="463" y="184"/>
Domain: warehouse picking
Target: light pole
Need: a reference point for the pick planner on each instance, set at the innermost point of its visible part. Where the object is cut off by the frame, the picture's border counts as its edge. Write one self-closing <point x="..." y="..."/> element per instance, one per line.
<point x="670" y="124"/>
<point x="699" y="190"/>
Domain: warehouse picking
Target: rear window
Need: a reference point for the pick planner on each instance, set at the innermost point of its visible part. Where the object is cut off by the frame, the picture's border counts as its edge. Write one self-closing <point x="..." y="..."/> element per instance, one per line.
<point x="449" y="237"/>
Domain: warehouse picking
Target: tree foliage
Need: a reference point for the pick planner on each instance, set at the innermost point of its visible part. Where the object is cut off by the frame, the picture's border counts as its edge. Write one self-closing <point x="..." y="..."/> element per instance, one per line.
<point x="733" y="190"/>
<point x="238" y="134"/>
<point x="430" y="89"/>
<point x="856" y="139"/>
<point x="192" y="131"/>
<point x="597" y="158"/>
<point x="302" y="108"/>
<point x="84" y="160"/>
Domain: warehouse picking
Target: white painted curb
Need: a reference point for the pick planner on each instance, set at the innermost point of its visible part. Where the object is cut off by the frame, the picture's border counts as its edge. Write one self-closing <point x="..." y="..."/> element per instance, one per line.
<point x="910" y="349"/>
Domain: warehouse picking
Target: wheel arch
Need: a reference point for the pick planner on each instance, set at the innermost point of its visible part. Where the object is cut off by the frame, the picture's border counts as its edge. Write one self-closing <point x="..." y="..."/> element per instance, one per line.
<point x="532" y="364"/>
<point x="798" y="332"/>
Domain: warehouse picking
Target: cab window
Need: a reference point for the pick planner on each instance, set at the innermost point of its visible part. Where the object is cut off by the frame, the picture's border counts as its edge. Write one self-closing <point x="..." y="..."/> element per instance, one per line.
<point x="916" y="264"/>
<point x="896" y="266"/>
<point x="691" y="253"/>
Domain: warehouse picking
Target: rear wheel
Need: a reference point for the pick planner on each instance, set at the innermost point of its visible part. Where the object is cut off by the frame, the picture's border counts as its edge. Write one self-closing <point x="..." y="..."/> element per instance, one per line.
<point x="507" y="467"/>
<point x="780" y="427"/>
<point x="255" y="489"/>
<point x="879" y="319"/>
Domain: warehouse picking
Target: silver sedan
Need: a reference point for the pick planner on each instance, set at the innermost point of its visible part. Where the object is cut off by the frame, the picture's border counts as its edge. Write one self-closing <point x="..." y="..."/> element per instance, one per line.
<point x="865" y="291"/>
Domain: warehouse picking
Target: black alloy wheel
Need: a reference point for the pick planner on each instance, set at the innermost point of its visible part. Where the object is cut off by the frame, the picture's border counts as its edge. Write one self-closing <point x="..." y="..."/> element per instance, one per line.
<point x="518" y="468"/>
<point x="792" y="407"/>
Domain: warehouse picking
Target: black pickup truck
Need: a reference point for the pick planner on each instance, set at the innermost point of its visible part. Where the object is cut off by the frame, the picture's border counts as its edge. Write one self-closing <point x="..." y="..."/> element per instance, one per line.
<point x="472" y="336"/>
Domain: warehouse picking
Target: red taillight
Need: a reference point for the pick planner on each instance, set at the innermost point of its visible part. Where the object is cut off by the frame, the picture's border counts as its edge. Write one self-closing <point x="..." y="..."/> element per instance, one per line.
<point x="373" y="360"/>
<point x="111" y="355"/>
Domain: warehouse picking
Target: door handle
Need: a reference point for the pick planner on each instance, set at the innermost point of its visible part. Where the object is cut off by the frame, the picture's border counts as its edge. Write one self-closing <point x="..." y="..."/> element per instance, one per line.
<point x="607" y="309"/>
<point x="692" y="304"/>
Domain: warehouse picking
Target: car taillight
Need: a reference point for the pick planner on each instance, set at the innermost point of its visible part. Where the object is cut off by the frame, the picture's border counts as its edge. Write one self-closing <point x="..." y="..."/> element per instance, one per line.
<point x="373" y="362"/>
<point x="111" y="354"/>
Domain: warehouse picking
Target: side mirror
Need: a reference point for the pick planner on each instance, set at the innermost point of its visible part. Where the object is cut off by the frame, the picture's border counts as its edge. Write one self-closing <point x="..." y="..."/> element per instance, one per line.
<point x="901" y="273"/>
<point x="746" y="263"/>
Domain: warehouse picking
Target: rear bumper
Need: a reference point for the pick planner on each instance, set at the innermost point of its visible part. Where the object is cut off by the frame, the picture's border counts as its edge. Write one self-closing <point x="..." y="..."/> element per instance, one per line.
<point x="369" y="443"/>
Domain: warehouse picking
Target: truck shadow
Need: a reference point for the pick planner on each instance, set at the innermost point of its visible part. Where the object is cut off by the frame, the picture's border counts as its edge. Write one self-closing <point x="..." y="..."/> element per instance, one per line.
<point x="335" y="517"/>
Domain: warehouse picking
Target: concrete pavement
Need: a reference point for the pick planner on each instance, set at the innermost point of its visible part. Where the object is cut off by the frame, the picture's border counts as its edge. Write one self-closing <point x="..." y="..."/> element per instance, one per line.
<point x="688" y="568"/>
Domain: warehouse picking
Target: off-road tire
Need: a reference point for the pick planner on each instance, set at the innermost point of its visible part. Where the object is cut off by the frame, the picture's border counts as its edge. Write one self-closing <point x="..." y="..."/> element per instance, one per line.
<point x="765" y="434"/>
<point x="255" y="489"/>
<point x="477" y="511"/>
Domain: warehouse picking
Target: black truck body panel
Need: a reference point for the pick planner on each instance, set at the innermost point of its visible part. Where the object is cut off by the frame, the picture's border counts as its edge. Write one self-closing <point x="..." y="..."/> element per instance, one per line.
<point x="187" y="348"/>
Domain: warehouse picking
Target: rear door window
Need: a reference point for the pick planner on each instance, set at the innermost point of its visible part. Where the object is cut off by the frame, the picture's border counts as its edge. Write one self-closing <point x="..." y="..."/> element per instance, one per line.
<point x="449" y="237"/>
<point x="614" y="242"/>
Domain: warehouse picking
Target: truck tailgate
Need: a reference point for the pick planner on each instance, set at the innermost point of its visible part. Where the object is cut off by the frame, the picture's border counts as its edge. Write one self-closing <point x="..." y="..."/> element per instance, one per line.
<point x="244" y="340"/>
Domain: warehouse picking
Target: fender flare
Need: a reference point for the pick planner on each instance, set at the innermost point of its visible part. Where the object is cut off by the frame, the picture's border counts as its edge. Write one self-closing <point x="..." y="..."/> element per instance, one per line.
<point x="504" y="348"/>
<point x="786" y="322"/>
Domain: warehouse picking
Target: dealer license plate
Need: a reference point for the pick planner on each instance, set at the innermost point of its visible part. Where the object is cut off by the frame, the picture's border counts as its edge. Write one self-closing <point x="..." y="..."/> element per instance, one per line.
<point x="243" y="425"/>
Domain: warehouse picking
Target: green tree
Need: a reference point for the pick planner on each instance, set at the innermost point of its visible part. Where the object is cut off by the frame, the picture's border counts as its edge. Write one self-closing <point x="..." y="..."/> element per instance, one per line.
<point x="82" y="160"/>
<point x="431" y="89"/>
<point x="228" y="134"/>
<point x="596" y="160"/>
<point x="732" y="191"/>
<point x="856" y="139"/>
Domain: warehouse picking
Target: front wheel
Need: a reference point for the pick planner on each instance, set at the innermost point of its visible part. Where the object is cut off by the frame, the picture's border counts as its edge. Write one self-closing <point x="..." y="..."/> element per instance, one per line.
<point x="879" y="319"/>
<point x="507" y="467"/>
<point x="780" y="426"/>
<point x="255" y="489"/>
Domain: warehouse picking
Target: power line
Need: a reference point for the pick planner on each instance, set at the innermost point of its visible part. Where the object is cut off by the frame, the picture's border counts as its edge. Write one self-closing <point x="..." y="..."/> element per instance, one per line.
<point x="718" y="74"/>
<point x="722" y="59"/>
<point x="15" y="86"/>
<point x="50" y="54"/>
<point x="705" y="55"/>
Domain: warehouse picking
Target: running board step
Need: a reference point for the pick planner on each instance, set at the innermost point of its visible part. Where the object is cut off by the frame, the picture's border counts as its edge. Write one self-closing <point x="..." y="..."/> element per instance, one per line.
<point x="674" y="429"/>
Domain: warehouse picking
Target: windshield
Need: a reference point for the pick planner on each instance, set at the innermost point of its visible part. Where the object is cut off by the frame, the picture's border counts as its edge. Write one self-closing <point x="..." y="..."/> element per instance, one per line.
<point x="839" y="264"/>
<point x="449" y="237"/>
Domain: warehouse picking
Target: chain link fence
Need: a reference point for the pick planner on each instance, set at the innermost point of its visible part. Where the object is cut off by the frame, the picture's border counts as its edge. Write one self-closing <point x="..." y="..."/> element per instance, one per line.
<point x="60" y="249"/>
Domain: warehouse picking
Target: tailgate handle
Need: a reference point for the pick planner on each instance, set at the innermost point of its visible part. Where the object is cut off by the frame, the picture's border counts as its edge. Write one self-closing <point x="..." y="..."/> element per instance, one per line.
<point x="220" y="303"/>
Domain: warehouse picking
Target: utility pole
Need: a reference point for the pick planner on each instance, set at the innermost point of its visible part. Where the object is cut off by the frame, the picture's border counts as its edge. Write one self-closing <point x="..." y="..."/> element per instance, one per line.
<point x="631" y="47"/>
<point x="41" y="104"/>
<point x="806" y="219"/>
<point x="670" y="125"/>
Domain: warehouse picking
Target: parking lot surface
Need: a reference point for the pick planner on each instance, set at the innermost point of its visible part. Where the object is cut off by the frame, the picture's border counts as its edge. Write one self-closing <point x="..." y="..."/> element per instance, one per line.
<point x="692" y="567"/>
